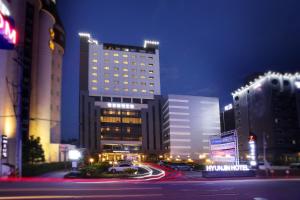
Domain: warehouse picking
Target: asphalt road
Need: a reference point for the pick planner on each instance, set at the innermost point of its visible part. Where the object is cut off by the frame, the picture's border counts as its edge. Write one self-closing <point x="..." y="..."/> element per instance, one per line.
<point x="270" y="189"/>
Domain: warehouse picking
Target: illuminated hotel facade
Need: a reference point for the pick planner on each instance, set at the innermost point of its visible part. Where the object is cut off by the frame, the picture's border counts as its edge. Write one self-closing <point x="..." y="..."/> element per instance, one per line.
<point x="116" y="83"/>
<point x="269" y="108"/>
<point x="188" y="124"/>
<point x="39" y="52"/>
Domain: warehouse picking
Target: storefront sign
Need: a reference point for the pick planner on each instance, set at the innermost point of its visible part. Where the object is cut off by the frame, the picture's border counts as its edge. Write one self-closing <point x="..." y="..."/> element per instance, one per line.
<point x="120" y="105"/>
<point x="4" y="144"/>
<point x="227" y="168"/>
<point x="8" y="33"/>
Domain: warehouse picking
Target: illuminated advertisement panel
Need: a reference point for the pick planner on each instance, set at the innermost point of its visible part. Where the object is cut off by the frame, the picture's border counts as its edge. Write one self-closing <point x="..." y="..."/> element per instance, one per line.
<point x="8" y="33"/>
<point x="224" y="148"/>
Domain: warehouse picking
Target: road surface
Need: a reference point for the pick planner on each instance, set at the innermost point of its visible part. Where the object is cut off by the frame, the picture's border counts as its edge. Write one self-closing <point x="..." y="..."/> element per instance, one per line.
<point x="253" y="189"/>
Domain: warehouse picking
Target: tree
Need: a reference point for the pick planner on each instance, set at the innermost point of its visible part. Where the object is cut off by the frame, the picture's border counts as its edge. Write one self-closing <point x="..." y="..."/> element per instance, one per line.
<point x="33" y="151"/>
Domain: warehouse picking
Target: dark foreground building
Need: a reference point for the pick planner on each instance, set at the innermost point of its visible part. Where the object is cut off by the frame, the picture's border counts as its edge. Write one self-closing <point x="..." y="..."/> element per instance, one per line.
<point x="269" y="108"/>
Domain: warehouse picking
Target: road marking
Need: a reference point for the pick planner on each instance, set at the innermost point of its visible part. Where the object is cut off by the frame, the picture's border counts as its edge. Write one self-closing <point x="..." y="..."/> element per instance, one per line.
<point x="259" y="198"/>
<point x="80" y="197"/>
<point x="75" y="189"/>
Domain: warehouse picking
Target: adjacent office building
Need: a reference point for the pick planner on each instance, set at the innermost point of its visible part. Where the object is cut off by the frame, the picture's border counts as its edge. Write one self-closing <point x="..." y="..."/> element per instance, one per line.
<point x="116" y="83"/>
<point x="188" y="124"/>
<point x="269" y="108"/>
<point x="33" y="66"/>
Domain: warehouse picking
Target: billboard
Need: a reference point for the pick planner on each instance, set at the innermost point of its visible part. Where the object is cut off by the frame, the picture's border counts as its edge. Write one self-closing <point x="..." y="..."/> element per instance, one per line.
<point x="224" y="148"/>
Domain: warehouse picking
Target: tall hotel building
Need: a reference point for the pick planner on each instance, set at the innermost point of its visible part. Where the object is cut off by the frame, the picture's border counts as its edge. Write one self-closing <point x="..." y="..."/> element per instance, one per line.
<point x="39" y="53"/>
<point x="269" y="108"/>
<point x="116" y="83"/>
<point x="188" y="124"/>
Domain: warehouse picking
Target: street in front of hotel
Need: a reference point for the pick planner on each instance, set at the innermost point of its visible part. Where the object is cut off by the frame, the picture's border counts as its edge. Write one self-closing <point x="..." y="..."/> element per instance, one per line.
<point x="251" y="189"/>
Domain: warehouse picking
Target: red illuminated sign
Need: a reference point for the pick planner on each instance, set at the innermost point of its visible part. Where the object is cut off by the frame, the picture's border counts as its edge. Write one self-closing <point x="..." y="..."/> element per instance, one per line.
<point x="7" y="31"/>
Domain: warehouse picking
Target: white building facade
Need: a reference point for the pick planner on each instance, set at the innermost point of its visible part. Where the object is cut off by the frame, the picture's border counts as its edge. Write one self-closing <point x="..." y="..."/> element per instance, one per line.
<point x="188" y="124"/>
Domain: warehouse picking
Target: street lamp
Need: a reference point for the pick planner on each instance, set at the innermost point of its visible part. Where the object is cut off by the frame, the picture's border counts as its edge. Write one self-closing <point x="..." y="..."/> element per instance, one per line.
<point x="91" y="160"/>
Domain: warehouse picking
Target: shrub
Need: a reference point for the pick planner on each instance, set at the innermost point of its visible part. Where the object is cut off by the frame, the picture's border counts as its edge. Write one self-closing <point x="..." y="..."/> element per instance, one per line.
<point x="199" y="167"/>
<point x="94" y="170"/>
<point x="38" y="169"/>
<point x="130" y="171"/>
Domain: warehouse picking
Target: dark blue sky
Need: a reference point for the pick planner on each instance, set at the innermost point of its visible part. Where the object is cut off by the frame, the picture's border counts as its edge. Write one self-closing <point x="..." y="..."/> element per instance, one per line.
<point x="206" y="47"/>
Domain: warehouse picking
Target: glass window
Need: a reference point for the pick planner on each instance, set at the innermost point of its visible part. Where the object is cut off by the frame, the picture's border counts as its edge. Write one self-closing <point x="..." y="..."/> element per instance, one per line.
<point x="106" y="60"/>
<point x="151" y="77"/>
<point x="116" y="89"/>
<point x="150" y="57"/>
<point x="106" y="53"/>
<point x="106" y="88"/>
<point x="125" y="75"/>
<point x="144" y="91"/>
<point x="125" y="82"/>
<point x="151" y="84"/>
<point x="143" y="83"/>
<point x="150" y="64"/>
<point x="94" y="67"/>
<point x="94" y="74"/>
<point x="143" y="70"/>
<point x="125" y="62"/>
<point x="151" y="91"/>
<point x="133" y="56"/>
<point x="110" y="119"/>
<point x="106" y="81"/>
<point x="134" y="90"/>
<point x="94" y="81"/>
<point x="133" y="63"/>
<point x="117" y="82"/>
<point x="116" y="75"/>
<point x="142" y="64"/>
<point x="116" y="68"/>
<point x="116" y="54"/>
<point x="125" y="69"/>
<point x="106" y="67"/>
<point x="94" y="88"/>
<point x="126" y="89"/>
<point x="142" y="77"/>
<point x="133" y="70"/>
<point x="116" y="61"/>
<point x="131" y="120"/>
<point x="125" y="55"/>
<point x="151" y="71"/>
<point x="106" y="75"/>
<point x="94" y="60"/>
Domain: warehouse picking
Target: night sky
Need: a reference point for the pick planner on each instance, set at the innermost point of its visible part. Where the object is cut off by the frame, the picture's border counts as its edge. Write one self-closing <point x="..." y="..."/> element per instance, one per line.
<point x="207" y="47"/>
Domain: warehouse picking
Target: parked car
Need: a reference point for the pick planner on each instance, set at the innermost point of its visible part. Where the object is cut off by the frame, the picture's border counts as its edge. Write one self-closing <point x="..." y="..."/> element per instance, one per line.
<point x="295" y="165"/>
<point x="181" y="166"/>
<point x="122" y="167"/>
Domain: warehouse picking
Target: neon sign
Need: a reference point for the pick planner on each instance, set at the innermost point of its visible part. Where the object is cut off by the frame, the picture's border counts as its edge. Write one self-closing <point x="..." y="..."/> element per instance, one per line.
<point x="120" y="105"/>
<point x="4" y="143"/>
<point x="213" y="168"/>
<point x="7" y="30"/>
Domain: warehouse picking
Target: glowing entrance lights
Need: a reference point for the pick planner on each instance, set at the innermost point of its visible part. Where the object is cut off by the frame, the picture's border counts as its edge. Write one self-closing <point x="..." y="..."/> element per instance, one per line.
<point x="7" y="31"/>
<point x="120" y="105"/>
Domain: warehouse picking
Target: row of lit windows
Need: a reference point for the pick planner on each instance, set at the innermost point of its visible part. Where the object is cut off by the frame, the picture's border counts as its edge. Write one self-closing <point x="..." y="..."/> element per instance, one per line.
<point x="115" y="129"/>
<point x="127" y="120"/>
<point x="106" y="75"/>
<point x="126" y="69"/>
<point x="126" y="55"/>
<point x="115" y="112"/>
<point x="124" y="89"/>
<point x="125" y="62"/>
<point x="126" y="83"/>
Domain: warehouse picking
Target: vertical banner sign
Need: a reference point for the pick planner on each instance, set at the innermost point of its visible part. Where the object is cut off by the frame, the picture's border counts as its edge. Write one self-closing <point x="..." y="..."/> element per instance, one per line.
<point x="4" y="144"/>
<point x="252" y="150"/>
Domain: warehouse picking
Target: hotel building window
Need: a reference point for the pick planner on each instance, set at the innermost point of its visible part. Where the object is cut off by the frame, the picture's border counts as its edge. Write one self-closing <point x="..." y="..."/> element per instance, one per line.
<point x="134" y="83"/>
<point x="125" y="62"/>
<point x="151" y="77"/>
<point x="133" y="56"/>
<point x="125" y="69"/>
<point x="106" y="67"/>
<point x="151" y="71"/>
<point x="133" y="76"/>
<point x="116" y="75"/>
<point x="116" y="82"/>
<point x="143" y="83"/>
<point x="143" y="70"/>
<point x="94" y="88"/>
<point x="125" y="89"/>
<point x="151" y="84"/>
<point x="94" y="60"/>
<point x="116" y="61"/>
<point x="106" y="53"/>
<point x="142" y="56"/>
<point x="142" y="77"/>
<point x="125" y="75"/>
<point x="106" y="88"/>
<point x="150" y="57"/>
<point x="151" y="65"/>
<point x="125" y="55"/>
<point x="134" y="90"/>
<point x="133" y="63"/>
<point x="125" y="82"/>
<point x="116" y="89"/>
<point x="106" y="75"/>
<point x="116" y="54"/>
<point x="94" y="74"/>
<point x="106" y="60"/>
<point x="106" y="81"/>
<point x="142" y="64"/>
<point x="134" y="70"/>
<point x="144" y="91"/>
<point x="94" y="67"/>
<point x="94" y="81"/>
<point x="116" y="68"/>
<point x="151" y="91"/>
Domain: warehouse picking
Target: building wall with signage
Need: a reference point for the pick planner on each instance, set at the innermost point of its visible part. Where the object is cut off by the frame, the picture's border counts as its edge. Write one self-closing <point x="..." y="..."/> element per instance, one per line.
<point x="41" y="65"/>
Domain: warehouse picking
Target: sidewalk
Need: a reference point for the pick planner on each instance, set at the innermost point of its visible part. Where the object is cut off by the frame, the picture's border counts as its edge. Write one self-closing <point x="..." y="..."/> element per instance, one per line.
<point x="55" y="174"/>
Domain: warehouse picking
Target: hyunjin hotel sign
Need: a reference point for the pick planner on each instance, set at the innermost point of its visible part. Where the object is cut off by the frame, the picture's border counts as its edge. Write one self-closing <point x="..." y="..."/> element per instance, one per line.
<point x="8" y="33"/>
